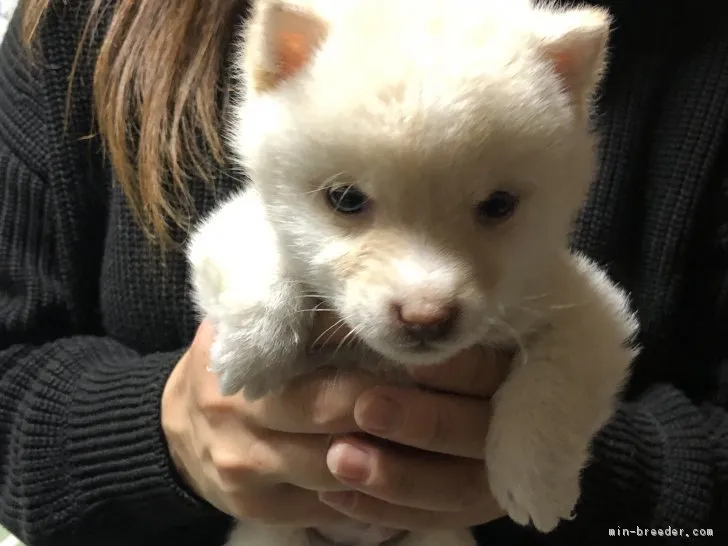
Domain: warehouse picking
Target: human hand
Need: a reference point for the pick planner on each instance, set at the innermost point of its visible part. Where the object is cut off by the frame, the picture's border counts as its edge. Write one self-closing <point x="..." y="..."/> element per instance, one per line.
<point x="267" y="460"/>
<point x="429" y="471"/>
<point x="263" y="460"/>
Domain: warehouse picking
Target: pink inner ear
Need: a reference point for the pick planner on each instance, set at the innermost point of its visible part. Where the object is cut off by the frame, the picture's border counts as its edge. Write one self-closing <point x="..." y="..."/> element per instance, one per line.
<point x="293" y="53"/>
<point x="563" y="64"/>
<point x="293" y="37"/>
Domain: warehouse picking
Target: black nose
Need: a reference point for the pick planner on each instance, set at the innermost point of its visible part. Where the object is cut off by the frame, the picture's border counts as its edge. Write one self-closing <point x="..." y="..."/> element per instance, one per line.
<point x="426" y="322"/>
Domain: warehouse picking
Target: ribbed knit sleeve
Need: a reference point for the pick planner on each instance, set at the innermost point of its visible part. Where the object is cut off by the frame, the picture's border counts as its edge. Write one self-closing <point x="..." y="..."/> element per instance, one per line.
<point x="80" y="438"/>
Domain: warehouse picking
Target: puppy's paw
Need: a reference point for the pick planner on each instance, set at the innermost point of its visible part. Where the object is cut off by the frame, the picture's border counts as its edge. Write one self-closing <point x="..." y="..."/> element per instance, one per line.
<point x="256" y="357"/>
<point x="534" y="472"/>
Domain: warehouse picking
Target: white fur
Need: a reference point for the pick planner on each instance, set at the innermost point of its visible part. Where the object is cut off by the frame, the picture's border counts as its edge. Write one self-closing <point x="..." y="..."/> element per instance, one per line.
<point x="428" y="107"/>
<point x="254" y="534"/>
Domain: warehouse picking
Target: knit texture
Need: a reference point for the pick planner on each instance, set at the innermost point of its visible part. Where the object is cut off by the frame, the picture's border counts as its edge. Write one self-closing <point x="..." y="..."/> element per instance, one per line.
<point x="92" y="319"/>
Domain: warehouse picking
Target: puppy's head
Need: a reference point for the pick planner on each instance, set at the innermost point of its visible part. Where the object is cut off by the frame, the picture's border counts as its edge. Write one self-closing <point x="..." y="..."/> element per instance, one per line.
<point x="422" y="160"/>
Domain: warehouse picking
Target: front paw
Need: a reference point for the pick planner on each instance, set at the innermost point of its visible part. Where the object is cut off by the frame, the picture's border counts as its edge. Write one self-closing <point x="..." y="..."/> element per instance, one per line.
<point x="255" y="361"/>
<point x="534" y="472"/>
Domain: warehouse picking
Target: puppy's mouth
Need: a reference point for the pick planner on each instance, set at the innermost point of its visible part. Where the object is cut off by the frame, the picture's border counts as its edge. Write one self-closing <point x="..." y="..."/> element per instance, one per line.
<point x="422" y="352"/>
<point x="422" y="347"/>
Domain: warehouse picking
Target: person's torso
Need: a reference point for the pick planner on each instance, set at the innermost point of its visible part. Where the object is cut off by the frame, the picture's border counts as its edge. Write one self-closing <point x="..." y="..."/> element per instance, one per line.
<point x="657" y="215"/>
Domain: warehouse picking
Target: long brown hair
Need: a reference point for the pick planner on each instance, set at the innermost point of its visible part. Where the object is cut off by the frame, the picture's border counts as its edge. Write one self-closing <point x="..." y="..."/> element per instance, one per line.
<point x="159" y="65"/>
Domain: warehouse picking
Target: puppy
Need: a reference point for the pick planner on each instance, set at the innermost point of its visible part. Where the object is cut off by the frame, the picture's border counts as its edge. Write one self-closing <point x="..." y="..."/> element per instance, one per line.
<point x="416" y="166"/>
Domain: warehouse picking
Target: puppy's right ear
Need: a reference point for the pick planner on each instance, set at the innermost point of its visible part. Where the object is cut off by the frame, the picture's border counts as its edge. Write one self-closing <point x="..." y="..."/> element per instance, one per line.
<point x="280" y="39"/>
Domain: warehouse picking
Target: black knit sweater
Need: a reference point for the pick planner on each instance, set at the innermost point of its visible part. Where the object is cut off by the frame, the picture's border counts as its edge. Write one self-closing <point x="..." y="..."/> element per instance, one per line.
<point x="92" y="320"/>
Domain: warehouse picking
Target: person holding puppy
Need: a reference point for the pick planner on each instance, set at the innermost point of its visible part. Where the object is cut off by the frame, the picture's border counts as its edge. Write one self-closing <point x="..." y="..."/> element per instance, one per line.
<point x="111" y="427"/>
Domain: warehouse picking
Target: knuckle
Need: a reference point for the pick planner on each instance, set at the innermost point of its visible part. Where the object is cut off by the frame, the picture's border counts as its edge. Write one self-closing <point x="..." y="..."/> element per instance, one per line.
<point x="253" y="464"/>
<point x="324" y="407"/>
<point x="228" y="462"/>
<point x="210" y="402"/>
<point x="368" y="508"/>
<point x="468" y="495"/>
<point x="436" y="431"/>
<point x="319" y="412"/>
<point x="260" y="459"/>
<point x="402" y="483"/>
<point x="208" y="399"/>
<point x="469" y="488"/>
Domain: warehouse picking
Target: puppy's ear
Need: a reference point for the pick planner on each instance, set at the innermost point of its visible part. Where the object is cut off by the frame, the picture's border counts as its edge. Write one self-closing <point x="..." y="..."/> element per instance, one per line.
<point x="280" y="40"/>
<point x="575" y="43"/>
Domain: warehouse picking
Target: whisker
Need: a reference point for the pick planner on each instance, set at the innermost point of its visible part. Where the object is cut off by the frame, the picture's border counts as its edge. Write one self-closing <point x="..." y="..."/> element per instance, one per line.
<point x="554" y="307"/>
<point x="309" y="297"/>
<point x="341" y="324"/>
<point x="335" y="327"/>
<point x="354" y="340"/>
<point x="346" y="338"/>
<point x="322" y="334"/>
<point x="514" y="335"/>
<point x="559" y="307"/>
<point x="537" y="296"/>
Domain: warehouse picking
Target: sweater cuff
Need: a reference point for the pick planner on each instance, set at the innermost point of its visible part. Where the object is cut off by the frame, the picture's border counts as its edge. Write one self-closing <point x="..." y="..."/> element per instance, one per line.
<point x="116" y="448"/>
<point x="651" y="468"/>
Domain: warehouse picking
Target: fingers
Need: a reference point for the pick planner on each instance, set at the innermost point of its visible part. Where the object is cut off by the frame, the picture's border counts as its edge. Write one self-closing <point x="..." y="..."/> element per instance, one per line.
<point x="478" y="372"/>
<point x="408" y="478"/>
<point x="298" y="460"/>
<point x="245" y="481"/>
<point x="408" y="489"/>
<point x="262" y="459"/>
<point x="320" y="403"/>
<point x="440" y="423"/>
<point x="324" y="403"/>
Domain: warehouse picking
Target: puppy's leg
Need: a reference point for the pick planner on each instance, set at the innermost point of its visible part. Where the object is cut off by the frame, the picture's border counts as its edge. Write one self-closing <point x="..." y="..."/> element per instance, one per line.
<point x="243" y="287"/>
<point x="553" y="403"/>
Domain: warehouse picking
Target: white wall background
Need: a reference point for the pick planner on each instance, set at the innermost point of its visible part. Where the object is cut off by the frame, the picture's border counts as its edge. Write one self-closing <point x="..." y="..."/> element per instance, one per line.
<point x="6" y="9"/>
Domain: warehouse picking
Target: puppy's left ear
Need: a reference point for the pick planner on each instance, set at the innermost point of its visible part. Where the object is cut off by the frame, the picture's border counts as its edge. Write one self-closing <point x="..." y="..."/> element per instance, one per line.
<point x="280" y="39"/>
<point x="575" y="43"/>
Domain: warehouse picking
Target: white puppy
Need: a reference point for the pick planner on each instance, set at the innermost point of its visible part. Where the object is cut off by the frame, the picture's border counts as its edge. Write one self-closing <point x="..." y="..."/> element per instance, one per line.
<point x="416" y="165"/>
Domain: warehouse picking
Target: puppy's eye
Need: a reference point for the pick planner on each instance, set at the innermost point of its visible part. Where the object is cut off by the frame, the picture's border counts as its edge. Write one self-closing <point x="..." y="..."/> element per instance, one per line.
<point x="347" y="199"/>
<point x="497" y="208"/>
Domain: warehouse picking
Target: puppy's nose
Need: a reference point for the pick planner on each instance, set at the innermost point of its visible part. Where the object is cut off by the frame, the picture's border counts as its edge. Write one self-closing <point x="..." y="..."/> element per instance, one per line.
<point x="425" y="321"/>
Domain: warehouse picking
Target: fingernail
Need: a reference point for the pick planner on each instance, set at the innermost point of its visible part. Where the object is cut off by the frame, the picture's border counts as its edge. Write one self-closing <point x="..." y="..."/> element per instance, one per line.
<point x="349" y="462"/>
<point x="379" y="414"/>
<point x="342" y="499"/>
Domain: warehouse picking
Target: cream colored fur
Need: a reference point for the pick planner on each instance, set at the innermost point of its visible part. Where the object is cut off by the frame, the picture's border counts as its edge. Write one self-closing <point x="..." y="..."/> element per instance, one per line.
<point x="428" y="106"/>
